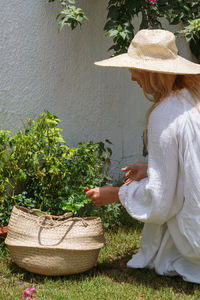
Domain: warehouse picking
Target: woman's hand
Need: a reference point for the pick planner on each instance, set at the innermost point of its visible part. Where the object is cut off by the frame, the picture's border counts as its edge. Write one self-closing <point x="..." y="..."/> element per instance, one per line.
<point x="103" y="195"/>
<point x="135" y="172"/>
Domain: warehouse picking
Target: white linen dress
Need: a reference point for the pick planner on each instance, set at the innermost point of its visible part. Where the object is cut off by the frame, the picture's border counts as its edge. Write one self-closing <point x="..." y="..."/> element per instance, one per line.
<point x="168" y="200"/>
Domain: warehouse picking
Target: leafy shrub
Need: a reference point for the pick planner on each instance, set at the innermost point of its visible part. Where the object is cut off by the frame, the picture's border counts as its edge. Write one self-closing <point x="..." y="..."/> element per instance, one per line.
<point x="39" y="170"/>
<point x="110" y="214"/>
<point x="119" y="23"/>
<point x="192" y="35"/>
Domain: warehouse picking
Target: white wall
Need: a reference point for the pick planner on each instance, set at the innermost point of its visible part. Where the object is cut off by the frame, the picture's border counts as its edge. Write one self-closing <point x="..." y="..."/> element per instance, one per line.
<point x="41" y="69"/>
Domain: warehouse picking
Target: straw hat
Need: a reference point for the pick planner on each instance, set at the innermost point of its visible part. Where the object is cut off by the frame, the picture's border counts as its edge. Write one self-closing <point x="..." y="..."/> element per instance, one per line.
<point x="153" y="50"/>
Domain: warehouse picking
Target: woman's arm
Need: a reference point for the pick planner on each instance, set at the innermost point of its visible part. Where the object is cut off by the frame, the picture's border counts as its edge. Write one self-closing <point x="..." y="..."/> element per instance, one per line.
<point x="103" y="195"/>
<point x="108" y="194"/>
<point x="153" y="199"/>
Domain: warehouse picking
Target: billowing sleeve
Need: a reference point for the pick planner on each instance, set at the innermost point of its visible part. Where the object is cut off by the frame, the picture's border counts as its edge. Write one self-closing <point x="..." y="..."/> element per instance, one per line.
<point x="151" y="199"/>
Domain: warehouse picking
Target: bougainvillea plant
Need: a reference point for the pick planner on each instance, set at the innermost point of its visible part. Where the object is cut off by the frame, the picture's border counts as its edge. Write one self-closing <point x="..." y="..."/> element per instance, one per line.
<point x="121" y="13"/>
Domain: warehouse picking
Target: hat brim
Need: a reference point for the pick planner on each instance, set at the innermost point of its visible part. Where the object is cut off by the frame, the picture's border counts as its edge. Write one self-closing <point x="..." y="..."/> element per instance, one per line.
<point x="178" y="65"/>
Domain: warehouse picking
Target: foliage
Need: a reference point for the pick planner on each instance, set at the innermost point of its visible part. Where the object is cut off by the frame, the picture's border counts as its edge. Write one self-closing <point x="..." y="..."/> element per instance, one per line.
<point x="111" y="214"/>
<point x="192" y="35"/>
<point x="119" y="24"/>
<point x="69" y="14"/>
<point x="121" y="13"/>
<point x="39" y="170"/>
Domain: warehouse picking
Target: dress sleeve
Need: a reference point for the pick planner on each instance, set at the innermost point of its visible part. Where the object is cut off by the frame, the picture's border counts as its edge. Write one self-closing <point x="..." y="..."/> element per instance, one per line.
<point x="151" y="199"/>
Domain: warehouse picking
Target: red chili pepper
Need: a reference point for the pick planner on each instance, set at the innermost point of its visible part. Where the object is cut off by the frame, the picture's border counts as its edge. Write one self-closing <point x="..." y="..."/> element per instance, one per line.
<point x="44" y="175"/>
<point x="87" y="189"/>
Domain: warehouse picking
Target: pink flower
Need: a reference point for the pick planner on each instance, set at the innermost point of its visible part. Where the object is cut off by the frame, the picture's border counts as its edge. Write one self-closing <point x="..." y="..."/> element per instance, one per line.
<point x="153" y="1"/>
<point x="105" y="241"/>
<point x="28" y="292"/>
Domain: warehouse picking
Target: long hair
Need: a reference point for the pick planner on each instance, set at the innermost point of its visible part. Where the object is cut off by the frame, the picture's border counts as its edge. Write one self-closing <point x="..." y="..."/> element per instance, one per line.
<point x="157" y="86"/>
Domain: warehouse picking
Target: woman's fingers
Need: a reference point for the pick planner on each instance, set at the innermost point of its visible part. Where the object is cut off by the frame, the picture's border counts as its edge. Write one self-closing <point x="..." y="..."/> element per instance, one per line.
<point x="93" y="195"/>
<point x="130" y="170"/>
<point x="90" y="193"/>
<point x="135" y="172"/>
<point x="127" y="168"/>
<point x="129" y="173"/>
<point x="124" y="169"/>
<point x="129" y="180"/>
<point x="134" y="177"/>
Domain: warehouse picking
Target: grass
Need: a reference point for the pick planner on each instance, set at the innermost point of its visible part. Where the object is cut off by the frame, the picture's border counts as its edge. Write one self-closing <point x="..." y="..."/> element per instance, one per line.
<point x="109" y="280"/>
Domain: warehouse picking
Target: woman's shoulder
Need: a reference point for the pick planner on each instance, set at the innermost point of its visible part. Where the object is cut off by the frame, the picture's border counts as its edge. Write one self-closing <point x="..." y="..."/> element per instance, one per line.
<point x="170" y="110"/>
<point x="174" y="103"/>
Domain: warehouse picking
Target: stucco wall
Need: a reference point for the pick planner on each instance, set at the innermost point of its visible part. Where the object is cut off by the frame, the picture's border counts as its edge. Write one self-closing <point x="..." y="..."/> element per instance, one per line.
<point x="41" y="69"/>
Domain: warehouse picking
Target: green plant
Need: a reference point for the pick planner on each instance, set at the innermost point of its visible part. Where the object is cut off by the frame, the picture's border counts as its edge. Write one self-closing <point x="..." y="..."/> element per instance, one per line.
<point x="111" y="214"/>
<point x="39" y="170"/>
<point x="192" y="35"/>
<point x="69" y="14"/>
<point x="121" y="13"/>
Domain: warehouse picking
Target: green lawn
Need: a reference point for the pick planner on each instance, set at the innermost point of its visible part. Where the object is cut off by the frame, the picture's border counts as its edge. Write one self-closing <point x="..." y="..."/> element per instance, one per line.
<point x="110" y="279"/>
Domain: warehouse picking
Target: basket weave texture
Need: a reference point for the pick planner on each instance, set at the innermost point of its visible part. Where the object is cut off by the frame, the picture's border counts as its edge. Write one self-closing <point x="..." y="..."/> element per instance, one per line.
<point x="51" y="245"/>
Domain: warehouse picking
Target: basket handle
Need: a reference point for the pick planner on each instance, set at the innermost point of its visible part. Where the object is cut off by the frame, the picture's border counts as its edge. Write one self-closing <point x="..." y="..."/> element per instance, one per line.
<point x="52" y="245"/>
<point x="41" y="220"/>
<point x="66" y="215"/>
<point x="42" y="226"/>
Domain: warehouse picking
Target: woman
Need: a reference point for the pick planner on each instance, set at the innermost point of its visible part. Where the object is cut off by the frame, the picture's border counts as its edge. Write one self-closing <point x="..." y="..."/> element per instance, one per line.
<point x="165" y="193"/>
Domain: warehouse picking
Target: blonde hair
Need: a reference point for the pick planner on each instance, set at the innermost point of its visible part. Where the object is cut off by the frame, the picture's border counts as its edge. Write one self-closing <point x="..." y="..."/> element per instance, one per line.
<point x="157" y="86"/>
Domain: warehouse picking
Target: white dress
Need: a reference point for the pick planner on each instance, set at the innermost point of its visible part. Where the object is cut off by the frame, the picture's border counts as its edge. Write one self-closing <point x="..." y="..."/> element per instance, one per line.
<point x="168" y="200"/>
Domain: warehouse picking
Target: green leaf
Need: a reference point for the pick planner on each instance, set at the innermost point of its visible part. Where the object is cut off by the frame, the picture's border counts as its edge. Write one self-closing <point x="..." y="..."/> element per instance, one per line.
<point x="119" y="28"/>
<point x="71" y="1"/>
<point x="22" y="175"/>
<point x="186" y="8"/>
<point x="113" y="32"/>
<point x="188" y="37"/>
<point x="61" y="24"/>
<point x="123" y="35"/>
<point x="107" y="141"/>
<point x="109" y="151"/>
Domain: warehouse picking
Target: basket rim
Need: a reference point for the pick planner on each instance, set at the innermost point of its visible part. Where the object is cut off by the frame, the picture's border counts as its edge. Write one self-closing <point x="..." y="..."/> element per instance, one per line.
<point x="29" y="212"/>
<point x="88" y="232"/>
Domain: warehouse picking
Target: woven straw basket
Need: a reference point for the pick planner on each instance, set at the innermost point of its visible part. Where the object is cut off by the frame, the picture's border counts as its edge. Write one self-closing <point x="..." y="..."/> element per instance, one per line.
<point x="51" y="245"/>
